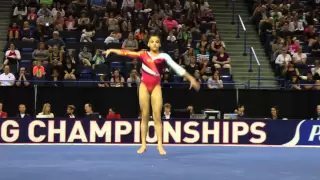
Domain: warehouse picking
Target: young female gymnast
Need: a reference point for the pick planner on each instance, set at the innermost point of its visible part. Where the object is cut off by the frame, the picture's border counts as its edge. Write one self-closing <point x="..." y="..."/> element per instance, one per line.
<point x="152" y="66"/>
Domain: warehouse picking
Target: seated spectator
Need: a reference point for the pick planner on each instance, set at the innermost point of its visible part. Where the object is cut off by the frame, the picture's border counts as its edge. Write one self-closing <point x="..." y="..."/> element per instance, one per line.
<point x="112" y="38"/>
<point x="299" y="58"/>
<point x="217" y="44"/>
<point x="56" y="56"/>
<point x="203" y="54"/>
<point x="197" y="76"/>
<point x="112" y="23"/>
<point x="133" y="80"/>
<point x="7" y="78"/>
<point x="203" y="43"/>
<point x="56" y="77"/>
<point x="135" y="66"/>
<point x="213" y="31"/>
<point x="46" y="112"/>
<point x="310" y="35"/>
<point x="289" y="70"/>
<point x="85" y="57"/>
<point x="69" y="70"/>
<point x="205" y="69"/>
<point x="295" y="82"/>
<point x="283" y="58"/>
<point x="214" y="81"/>
<point x="12" y="56"/>
<point x="20" y="12"/>
<point x="171" y="37"/>
<point x="112" y="6"/>
<point x="284" y="33"/>
<point x="58" y="22"/>
<point x="2" y="113"/>
<point x="38" y="71"/>
<point x="275" y="113"/>
<point x="32" y="17"/>
<point x="39" y="34"/>
<point x="83" y="21"/>
<point x="41" y="54"/>
<point x="309" y="82"/>
<point x="56" y="40"/>
<point x="70" y="23"/>
<point x="117" y="80"/>
<point x="222" y="59"/>
<point x="113" y="114"/>
<point x="103" y="82"/>
<point x="45" y="20"/>
<point x="167" y="111"/>
<point x="193" y="66"/>
<point x="14" y="32"/>
<point x="316" y="70"/>
<point x="130" y="43"/>
<point x="296" y="26"/>
<point x="292" y="45"/>
<point x="170" y="24"/>
<point x="26" y="32"/>
<point x="98" y="58"/>
<point x="22" y="78"/>
<point x="86" y="36"/>
<point x="44" y="10"/>
<point x="58" y="9"/>
<point x="154" y="23"/>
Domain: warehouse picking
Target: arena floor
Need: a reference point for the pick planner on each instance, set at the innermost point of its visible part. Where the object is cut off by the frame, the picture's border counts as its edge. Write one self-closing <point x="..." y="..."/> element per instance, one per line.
<point x="182" y="162"/>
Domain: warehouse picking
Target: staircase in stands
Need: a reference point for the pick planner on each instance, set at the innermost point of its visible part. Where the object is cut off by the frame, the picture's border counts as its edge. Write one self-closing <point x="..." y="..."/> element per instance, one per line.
<point x="5" y="16"/>
<point x="235" y="47"/>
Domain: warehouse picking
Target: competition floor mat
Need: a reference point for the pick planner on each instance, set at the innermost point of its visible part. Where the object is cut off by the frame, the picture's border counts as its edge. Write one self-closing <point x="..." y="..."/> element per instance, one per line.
<point x="182" y="162"/>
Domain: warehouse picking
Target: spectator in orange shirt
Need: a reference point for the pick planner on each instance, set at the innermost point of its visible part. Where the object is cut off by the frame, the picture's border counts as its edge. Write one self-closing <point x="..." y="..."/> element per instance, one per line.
<point x="2" y="114"/>
<point x="38" y="70"/>
<point x="112" y="114"/>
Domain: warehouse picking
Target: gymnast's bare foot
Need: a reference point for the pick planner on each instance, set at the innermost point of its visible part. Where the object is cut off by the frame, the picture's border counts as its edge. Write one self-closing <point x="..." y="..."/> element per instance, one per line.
<point x="161" y="150"/>
<point x="142" y="149"/>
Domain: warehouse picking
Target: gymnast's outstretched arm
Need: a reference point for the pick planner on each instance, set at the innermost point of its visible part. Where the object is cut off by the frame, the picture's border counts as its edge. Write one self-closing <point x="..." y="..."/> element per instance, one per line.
<point x="123" y="52"/>
<point x="180" y="71"/>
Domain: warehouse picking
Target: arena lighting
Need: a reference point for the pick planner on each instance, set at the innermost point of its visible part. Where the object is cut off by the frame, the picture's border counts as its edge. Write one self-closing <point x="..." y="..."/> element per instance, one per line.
<point x="190" y="132"/>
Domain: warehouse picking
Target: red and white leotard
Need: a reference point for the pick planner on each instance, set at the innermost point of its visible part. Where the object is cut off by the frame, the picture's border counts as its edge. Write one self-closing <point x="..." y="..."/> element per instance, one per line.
<point x="152" y="66"/>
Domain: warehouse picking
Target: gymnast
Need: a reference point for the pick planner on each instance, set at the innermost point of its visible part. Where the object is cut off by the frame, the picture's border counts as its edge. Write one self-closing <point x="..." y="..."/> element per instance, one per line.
<point x="152" y="65"/>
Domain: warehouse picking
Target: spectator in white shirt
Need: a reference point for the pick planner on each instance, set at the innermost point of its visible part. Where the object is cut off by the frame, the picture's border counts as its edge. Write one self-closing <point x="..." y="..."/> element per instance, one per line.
<point x="171" y="37"/>
<point x="46" y="112"/>
<point x="296" y="26"/>
<point x="167" y="111"/>
<point x="128" y="4"/>
<point x="112" y="38"/>
<point x="215" y="82"/>
<point x="283" y="58"/>
<point x="7" y="78"/>
<point x="86" y="36"/>
<point x="299" y="57"/>
<point x="133" y="80"/>
<point x="316" y="70"/>
<point x="12" y="56"/>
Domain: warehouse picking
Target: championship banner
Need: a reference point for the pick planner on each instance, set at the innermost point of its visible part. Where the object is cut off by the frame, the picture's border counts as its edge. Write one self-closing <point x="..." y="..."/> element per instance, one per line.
<point x="233" y="132"/>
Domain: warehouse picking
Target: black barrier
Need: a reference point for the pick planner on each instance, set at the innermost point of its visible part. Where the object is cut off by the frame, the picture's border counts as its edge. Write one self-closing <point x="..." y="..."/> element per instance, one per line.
<point x="292" y="104"/>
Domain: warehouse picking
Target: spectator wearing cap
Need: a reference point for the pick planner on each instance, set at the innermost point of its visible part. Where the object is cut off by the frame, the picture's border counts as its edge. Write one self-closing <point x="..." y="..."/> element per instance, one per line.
<point x="2" y="114"/>
<point x="56" y="40"/>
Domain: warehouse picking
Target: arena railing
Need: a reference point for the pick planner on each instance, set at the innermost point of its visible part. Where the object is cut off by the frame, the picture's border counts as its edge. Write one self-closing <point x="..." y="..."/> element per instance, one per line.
<point x="240" y="22"/>
<point x="253" y="53"/>
<point x="233" y="6"/>
<point x="278" y="85"/>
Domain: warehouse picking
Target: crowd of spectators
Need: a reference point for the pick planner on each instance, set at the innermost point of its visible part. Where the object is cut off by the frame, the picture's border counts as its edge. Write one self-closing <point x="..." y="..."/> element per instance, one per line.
<point x="289" y="31"/>
<point x="64" y="41"/>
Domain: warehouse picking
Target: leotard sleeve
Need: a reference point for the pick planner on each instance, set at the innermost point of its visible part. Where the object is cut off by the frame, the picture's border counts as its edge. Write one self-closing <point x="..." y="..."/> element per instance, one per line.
<point x="176" y="67"/>
<point x="132" y="54"/>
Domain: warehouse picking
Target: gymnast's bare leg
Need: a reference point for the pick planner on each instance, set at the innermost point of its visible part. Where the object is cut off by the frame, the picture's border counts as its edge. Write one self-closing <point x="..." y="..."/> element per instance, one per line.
<point x="144" y="100"/>
<point x="156" y="103"/>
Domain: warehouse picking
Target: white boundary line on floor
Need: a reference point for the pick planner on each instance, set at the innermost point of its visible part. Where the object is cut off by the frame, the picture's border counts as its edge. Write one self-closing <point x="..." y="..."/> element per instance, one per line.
<point x="177" y="145"/>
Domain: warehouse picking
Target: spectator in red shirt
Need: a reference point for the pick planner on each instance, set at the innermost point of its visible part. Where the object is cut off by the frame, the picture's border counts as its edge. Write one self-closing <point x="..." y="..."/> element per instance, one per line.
<point x="170" y="24"/>
<point x="112" y="114"/>
<point x="2" y="114"/>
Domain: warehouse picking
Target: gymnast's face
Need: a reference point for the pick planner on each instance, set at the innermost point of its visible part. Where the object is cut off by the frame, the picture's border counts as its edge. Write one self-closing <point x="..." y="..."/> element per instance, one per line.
<point x="154" y="43"/>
